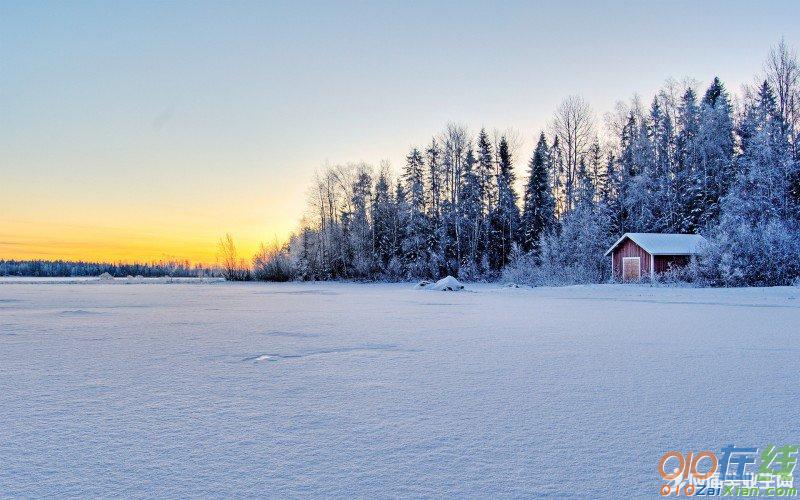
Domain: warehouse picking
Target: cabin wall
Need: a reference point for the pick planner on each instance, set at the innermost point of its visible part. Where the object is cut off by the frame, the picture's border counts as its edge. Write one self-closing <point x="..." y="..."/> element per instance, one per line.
<point x="630" y="249"/>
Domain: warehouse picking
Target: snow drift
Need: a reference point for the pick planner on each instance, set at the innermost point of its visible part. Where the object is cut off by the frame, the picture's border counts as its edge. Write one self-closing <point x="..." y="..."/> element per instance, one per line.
<point x="447" y="284"/>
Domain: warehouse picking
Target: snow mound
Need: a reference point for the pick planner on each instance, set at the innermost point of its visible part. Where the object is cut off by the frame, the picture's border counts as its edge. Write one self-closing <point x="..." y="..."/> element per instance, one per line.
<point x="511" y="285"/>
<point x="448" y="284"/>
<point x="422" y="285"/>
<point x="106" y="276"/>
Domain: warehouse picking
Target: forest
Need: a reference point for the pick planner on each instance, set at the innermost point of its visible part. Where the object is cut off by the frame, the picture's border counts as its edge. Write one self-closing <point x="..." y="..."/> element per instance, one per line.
<point x="63" y="268"/>
<point x="691" y="159"/>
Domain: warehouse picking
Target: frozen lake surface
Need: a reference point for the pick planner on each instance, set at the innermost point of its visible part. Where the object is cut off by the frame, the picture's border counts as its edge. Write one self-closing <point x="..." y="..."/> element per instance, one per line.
<point x="220" y="389"/>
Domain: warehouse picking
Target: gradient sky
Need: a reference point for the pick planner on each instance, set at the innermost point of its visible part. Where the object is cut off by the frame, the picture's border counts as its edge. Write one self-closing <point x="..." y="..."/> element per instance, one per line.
<point x="146" y="130"/>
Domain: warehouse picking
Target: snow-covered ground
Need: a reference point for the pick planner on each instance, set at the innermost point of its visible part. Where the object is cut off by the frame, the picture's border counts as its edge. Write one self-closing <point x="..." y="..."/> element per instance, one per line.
<point x="212" y="389"/>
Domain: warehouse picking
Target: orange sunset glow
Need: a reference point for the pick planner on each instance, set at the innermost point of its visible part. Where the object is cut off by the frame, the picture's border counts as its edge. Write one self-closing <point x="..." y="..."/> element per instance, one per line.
<point x="116" y="227"/>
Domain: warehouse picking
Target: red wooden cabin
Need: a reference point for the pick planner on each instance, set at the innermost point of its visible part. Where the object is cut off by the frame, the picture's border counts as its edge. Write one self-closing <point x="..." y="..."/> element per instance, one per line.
<point x="643" y="255"/>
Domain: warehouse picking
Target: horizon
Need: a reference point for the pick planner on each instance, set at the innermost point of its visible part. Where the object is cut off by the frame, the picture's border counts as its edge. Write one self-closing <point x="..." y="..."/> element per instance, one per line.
<point x="147" y="133"/>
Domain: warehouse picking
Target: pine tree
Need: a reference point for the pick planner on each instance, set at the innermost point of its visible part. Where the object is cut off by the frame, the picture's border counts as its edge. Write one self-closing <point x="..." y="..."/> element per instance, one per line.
<point x="433" y="155"/>
<point x="539" y="206"/>
<point x="758" y="239"/>
<point x="714" y="171"/>
<point x="416" y="244"/>
<point x="471" y="216"/>
<point x="400" y="231"/>
<point x="382" y="222"/>
<point x="762" y="190"/>
<point x="361" y="249"/>
<point x="685" y="186"/>
<point x="597" y="171"/>
<point x="485" y="171"/>
<point x="663" y="144"/>
<point x="625" y="173"/>
<point x="435" y="185"/>
<point x="640" y="195"/>
<point x="556" y="164"/>
<point x="504" y="219"/>
<point x="585" y="190"/>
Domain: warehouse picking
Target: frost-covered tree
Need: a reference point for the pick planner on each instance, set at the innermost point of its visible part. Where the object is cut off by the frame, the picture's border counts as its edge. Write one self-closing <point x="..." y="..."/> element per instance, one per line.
<point x="685" y="164"/>
<point x="664" y="167"/>
<point x="538" y="214"/>
<point x="383" y="221"/>
<point x="471" y="218"/>
<point x="433" y="158"/>
<point x="484" y="169"/>
<point x="454" y="144"/>
<point x="573" y="253"/>
<point x="597" y="170"/>
<point x="758" y="239"/>
<point x="556" y="174"/>
<point x="400" y="232"/>
<point x="714" y="171"/>
<point x="416" y="244"/>
<point x="574" y="127"/>
<point x="504" y="220"/>
<point x="783" y="75"/>
<point x="687" y="158"/>
<point x="762" y="189"/>
<point x="357" y="227"/>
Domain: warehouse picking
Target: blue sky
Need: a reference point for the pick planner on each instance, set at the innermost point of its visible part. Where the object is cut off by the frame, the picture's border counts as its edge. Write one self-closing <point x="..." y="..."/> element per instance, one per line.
<point x="150" y="128"/>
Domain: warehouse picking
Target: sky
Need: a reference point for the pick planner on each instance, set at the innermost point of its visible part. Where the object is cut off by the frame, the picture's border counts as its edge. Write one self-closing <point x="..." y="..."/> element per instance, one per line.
<point x="140" y="131"/>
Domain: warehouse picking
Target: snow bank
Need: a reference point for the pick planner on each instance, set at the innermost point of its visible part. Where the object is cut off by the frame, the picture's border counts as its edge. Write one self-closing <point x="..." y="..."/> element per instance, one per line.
<point x="422" y="285"/>
<point x="448" y="284"/>
<point x="106" y="276"/>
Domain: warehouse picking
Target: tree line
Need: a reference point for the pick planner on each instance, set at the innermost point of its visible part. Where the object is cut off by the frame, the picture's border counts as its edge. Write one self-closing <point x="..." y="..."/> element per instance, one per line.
<point x="64" y="268"/>
<point x="690" y="161"/>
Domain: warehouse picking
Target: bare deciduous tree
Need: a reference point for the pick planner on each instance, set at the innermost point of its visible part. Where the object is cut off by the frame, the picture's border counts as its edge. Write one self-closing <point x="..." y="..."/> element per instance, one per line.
<point x="233" y="268"/>
<point x="573" y="124"/>
<point x="783" y="74"/>
<point x="454" y="141"/>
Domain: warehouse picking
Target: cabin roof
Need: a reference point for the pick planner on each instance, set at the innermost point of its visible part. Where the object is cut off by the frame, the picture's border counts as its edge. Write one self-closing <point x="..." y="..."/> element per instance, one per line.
<point x="663" y="243"/>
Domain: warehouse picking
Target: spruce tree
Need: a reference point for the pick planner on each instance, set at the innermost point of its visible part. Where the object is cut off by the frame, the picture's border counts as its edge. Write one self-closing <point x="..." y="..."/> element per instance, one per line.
<point x="484" y="169"/>
<point x="382" y="222"/>
<point x="471" y="215"/>
<point x="416" y="243"/>
<point x="714" y="171"/>
<point x="686" y="189"/>
<point x="504" y="219"/>
<point x="360" y="253"/>
<point x="538" y="214"/>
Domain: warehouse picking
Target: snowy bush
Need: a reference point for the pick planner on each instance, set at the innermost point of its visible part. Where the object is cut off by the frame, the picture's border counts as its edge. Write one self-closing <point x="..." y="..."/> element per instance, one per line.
<point x="764" y="254"/>
<point x="394" y="270"/>
<point x="677" y="276"/>
<point x="522" y="268"/>
<point x="273" y="263"/>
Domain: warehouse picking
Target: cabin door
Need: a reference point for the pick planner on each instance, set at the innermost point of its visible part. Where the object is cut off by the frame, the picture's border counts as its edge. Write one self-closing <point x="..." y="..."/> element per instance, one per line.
<point x="631" y="268"/>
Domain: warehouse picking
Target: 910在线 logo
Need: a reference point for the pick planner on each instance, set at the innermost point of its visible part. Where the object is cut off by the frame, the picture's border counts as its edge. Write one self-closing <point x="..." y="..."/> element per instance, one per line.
<point x="735" y="471"/>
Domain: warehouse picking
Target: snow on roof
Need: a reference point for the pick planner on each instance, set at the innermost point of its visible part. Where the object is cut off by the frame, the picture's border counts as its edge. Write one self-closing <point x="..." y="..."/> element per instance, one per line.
<point x="663" y="243"/>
